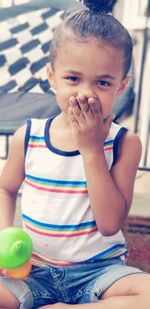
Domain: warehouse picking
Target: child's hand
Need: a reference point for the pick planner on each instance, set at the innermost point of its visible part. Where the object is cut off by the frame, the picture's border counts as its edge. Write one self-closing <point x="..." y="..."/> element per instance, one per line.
<point x="3" y="272"/>
<point x="88" y="127"/>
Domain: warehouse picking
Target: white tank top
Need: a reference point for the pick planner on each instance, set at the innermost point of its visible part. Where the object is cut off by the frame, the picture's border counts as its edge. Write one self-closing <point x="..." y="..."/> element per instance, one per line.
<point x="55" y="203"/>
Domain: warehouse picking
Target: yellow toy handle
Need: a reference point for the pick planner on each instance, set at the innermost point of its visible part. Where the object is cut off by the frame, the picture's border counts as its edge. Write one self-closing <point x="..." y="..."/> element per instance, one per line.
<point x="20" y="272"/>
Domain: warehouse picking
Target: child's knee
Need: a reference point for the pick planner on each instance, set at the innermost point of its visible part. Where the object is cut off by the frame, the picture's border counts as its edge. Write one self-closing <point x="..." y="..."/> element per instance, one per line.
<point x="7" y="299"/>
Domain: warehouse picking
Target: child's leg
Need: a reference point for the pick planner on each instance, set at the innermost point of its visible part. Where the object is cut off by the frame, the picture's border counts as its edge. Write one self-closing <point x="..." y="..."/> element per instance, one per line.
<point x="7" y="299"/>
<point x="13" y="293"/>
<point x="132" y="292"/>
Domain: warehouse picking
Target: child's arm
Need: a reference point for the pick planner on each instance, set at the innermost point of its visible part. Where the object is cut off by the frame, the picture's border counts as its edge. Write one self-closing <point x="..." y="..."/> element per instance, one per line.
<point x="11" y="178"/>
<point x="110" y="192"/>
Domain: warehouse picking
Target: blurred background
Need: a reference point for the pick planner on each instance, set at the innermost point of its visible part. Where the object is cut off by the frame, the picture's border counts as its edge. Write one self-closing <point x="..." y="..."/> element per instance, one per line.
<point x="26" y="29"/>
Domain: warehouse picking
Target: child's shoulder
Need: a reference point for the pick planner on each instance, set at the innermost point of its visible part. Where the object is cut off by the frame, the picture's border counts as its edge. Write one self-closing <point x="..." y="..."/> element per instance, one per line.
<point x="116" y="131"/>
<point x="128" y="138"/>
<point x="128" y="144"/>
<point x="31" y="124"/>
<point x="37" y="127"/>
<point x="32" y="127"/>
<point x="132" y="143"/>
<point x="20" y="133"/>
<point x="130" y="148"/>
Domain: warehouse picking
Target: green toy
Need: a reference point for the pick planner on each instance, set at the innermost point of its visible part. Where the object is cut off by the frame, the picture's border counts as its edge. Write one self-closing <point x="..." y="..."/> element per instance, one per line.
<point x="15" y="252"/>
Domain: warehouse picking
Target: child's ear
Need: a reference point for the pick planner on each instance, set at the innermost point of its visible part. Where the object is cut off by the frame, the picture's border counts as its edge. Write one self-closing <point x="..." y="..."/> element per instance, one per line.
<point x="51" y="76"/>
<point x="123" y="85"/>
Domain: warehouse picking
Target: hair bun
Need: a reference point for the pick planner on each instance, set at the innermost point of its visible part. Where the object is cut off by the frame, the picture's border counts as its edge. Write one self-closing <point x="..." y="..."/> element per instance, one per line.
<point x="100" y="6"/>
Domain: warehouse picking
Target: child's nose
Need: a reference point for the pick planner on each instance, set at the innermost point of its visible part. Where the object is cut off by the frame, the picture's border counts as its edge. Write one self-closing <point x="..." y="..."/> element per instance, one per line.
<point x="87" y="91"/>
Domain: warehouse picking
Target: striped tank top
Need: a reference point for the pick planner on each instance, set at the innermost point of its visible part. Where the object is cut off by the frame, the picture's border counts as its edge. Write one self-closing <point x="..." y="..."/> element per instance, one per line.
<point x="55" y="204"/>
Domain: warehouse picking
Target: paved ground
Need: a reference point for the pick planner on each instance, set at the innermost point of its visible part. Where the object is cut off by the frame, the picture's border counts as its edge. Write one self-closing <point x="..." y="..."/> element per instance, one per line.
<point x="141" y="199"/>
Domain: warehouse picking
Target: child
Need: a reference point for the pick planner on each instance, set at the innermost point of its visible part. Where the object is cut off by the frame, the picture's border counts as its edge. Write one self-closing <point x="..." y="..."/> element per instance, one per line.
<point x="78" y="170"/>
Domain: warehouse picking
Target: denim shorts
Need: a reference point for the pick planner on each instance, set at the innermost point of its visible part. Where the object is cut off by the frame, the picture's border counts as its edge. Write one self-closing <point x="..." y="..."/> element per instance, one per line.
<point x="76" y="284"/>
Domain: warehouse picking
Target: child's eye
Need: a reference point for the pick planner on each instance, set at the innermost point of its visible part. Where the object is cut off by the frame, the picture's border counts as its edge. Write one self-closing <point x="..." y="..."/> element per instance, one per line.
<point x="72" y="78"/>
<point x="103" y="83"/>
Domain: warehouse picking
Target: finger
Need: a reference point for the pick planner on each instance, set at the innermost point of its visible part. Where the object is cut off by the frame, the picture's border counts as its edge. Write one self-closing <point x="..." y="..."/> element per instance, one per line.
<point x="85" y="108"/>
<point x="3" y="273"/>
<point x="95" y="106"/>
<point x="76" y="111"/>
<point x="75" y="106"/>
<point x="72" y="117"/>
<point x="83" y="103"/>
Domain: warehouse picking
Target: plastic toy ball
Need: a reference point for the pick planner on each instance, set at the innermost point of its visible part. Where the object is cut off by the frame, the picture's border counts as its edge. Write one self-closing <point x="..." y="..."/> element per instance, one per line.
<point x="15" y="252"/>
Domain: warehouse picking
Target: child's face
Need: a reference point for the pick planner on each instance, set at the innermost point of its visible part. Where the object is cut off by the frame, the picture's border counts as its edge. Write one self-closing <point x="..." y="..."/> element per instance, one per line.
<point x="89" y="68"/>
